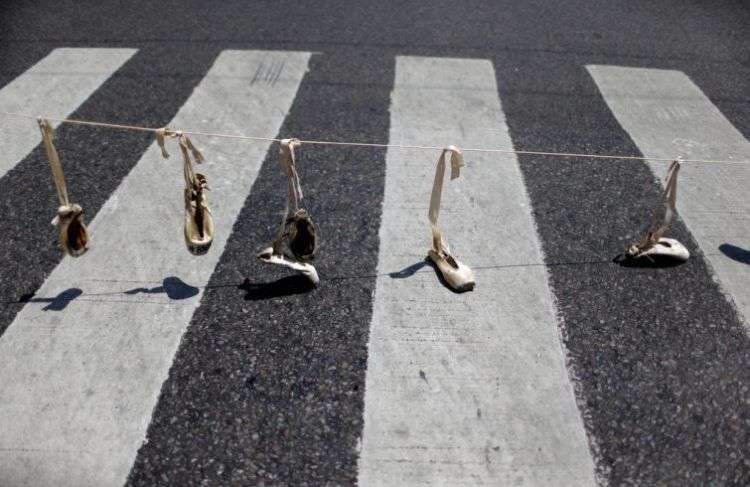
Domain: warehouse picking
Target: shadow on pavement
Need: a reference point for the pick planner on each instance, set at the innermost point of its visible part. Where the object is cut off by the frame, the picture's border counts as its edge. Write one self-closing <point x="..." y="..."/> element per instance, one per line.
<point x="408" y="271"/>
<point x="172" y="286"/>
<point x="286" y="286"/>
<point x="58" y="303"/>
<point x="735" y="253"/>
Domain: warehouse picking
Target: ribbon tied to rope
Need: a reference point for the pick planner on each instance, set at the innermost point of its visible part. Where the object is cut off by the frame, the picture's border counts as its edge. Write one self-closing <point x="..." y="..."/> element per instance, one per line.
<point x="195" y="182"/>
<point x="73" y="234"/>
<point x="57" y="171"/>
<point x="664" y="212"/>
<point x="457" y="162"/>
<point x="288" y="162"/>
<point x="192" y="181"/>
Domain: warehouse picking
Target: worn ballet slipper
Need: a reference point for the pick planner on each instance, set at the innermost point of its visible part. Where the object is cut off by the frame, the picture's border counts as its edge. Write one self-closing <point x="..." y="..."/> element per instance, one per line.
<point x="460" y="277"/>
<point x="299" y="236"/>
<point x="268" y="256"/>
<point x="667" y="249"/>
<point x="654" y="246"/>
<point x="297" y="232"/>
<point x="302" y="235"/>
<point x="72" y="232"/>
<point x="199" y="223"/>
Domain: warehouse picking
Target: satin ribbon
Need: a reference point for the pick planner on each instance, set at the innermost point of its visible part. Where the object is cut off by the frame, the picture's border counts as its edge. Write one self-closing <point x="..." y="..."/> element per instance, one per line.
<point x="664" y="213"/>
<point x="288" y="163"/>
<point x="457" y="162"/>
<point x="57" y="171"/>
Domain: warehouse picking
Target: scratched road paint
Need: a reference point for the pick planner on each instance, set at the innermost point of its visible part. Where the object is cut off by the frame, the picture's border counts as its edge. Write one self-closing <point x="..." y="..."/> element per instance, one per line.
<point x="666" y="115"/>
<point x="466" y="389"/>
<point x="82" y="365"/>
<point x="55" y="86"/>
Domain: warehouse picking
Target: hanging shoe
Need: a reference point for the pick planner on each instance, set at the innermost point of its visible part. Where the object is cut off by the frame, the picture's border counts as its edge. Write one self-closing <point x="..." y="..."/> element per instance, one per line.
<point x="72" y="232"/>
<point x="303" y="237"/>
<point x="654" y="246"/>
<point x="199" y="223"/>
<point x="297" y="232"/>
<point x="458" y="276"/>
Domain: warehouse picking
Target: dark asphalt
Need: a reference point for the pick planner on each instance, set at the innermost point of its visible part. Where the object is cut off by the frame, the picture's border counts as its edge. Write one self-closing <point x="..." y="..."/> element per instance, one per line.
<point x="268" y="382"/>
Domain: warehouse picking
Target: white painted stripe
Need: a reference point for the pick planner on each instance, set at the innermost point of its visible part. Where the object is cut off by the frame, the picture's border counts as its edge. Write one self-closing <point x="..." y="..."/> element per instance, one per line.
<point x="77" y="386"/>
<point x="666" y="114"/>
<point x="466" y="389"/>
<point x="55" y="86"/>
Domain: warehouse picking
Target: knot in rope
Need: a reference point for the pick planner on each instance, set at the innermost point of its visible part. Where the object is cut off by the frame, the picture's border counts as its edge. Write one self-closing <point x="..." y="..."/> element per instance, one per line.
<point x="161" y="135"/>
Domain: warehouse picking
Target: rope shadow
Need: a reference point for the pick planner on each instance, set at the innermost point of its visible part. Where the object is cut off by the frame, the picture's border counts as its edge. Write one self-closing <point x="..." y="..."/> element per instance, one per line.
<point x="176" y="289"/>
<point x="173" y="287"/>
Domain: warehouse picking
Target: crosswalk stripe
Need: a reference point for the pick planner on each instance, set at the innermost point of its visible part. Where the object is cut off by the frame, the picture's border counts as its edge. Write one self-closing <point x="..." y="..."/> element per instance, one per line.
<point x="665" y="114"/>
<point x="81" y="375"/>
<point x="55" y="86"/>
<point x="466" y="389"/>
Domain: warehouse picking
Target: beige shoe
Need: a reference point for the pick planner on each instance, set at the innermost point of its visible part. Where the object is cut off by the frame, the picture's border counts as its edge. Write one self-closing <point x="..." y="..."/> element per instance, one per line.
<point x="457" y="275"/>
<point x="268" y="256"/>
<point x="297" y="232"/>
<point x="302" y="234"/>
<point x="664" y="248"/>
<point x="199" y="222"/>
<point x="653" y="245"/>
<point x="72" y="232"/>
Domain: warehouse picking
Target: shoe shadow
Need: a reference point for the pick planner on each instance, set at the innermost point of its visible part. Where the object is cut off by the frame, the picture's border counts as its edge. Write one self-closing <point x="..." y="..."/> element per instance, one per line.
<point x="286" y="286"/>
<point x="408" y="271"/>
<point x="412" y="269"/>
<point x="735" y="253"/>
<point x="172" y="286"/>
<point x="58" y="303"/>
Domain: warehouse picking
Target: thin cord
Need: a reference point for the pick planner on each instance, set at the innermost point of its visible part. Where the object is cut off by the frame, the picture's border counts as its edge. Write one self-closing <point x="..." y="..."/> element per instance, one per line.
<point x="368" y="144"/>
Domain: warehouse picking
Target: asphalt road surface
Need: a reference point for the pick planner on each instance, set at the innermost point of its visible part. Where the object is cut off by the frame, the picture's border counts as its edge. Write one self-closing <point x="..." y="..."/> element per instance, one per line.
<point x="140" y="364"/>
